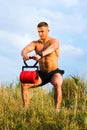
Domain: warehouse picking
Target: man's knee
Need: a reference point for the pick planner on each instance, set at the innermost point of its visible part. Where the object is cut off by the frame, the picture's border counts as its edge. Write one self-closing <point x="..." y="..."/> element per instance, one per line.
<point x="57" y="84"/>
<point x="25" y="86"/>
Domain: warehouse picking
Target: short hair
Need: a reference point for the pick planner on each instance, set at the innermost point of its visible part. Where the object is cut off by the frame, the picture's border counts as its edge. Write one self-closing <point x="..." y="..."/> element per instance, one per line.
<point x="42" y="24"/>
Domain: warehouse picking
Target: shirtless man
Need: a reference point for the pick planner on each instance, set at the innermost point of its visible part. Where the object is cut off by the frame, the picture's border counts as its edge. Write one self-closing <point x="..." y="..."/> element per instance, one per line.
<point x="46" y="53"/>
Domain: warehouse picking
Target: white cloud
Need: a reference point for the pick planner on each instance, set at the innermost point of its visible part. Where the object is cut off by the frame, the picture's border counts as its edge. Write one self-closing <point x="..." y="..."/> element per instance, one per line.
<point x="7" y="72"/>
<point x="21" y="17"/>
<point x="4" y="60"/>
<point x="15" y="39"/>
<point x="67" y="18"/>
<point x="71" y="51"/>
<point x="70" y="23"/>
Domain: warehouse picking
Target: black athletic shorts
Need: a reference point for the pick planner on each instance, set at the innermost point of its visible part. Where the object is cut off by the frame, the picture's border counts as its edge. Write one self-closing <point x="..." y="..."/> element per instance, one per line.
<point x="46" y="76"/>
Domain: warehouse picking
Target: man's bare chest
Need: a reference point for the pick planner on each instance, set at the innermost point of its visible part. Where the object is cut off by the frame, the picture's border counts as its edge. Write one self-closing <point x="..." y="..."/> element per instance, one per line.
<point x="42" y="47"/>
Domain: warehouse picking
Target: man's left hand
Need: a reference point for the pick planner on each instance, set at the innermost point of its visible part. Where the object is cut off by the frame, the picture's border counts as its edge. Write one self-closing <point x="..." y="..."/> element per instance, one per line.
<point x="36" y="57"/>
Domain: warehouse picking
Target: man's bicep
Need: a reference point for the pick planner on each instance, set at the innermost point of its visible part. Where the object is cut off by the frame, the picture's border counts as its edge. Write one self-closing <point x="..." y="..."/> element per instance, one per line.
<point x="30" y="47"/>
<point x="56" y="44"/>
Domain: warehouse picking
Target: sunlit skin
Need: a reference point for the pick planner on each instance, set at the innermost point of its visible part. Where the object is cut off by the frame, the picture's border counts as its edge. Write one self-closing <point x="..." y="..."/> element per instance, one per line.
<point x="50" y="48"/>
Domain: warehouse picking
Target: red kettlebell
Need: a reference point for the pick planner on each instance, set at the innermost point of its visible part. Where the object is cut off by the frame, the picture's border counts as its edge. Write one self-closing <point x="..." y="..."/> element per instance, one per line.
<point x="27" y="76"/>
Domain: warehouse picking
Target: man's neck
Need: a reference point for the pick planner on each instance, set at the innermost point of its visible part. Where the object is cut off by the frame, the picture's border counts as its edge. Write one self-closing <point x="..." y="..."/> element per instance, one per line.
<point x="45" y="40"/>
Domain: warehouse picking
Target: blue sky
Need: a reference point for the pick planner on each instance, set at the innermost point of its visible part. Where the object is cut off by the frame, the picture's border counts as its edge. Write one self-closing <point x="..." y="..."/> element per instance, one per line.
<point x="67" y="20"/>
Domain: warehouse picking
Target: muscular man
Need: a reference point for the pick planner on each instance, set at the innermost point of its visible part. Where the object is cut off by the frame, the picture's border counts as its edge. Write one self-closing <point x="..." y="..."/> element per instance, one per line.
<point x="47" y="54"/>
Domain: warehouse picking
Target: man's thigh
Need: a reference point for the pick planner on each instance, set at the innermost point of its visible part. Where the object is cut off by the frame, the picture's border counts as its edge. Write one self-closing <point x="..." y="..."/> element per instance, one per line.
<point x="57" y="79"/>
<point x="31" y="85"/>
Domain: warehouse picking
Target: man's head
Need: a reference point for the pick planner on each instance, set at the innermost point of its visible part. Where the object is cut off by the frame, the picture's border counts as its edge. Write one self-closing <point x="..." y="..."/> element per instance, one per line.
<point x="42" y="24"/>
<point x="43" y="30"/>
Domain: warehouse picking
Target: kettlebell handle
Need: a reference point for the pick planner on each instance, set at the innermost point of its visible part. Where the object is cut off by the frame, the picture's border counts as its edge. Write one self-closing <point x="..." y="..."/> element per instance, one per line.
<point x="25" y="63"/>
<point x="30" y="57"/>
<point x="27" y="66"/>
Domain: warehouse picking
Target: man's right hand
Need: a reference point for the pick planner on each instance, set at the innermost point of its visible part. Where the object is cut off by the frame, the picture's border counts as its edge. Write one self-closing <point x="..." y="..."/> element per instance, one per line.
<point x="35" y="57"/>
<point x="25" y="57"/>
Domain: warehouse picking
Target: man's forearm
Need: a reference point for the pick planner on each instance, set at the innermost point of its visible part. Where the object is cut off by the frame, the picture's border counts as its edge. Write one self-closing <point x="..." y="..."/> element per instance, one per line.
<point x="51" y="48"/>
<point x="24" y="54"/>
<point x="47" y="51"/>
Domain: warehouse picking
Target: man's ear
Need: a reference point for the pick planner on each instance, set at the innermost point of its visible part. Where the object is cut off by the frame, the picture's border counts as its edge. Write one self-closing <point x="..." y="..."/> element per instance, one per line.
<point x="48" y="30"/>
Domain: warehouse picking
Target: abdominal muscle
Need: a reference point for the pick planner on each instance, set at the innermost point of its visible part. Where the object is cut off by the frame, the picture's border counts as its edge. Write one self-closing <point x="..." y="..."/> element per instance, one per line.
<point x="49" y="62"/>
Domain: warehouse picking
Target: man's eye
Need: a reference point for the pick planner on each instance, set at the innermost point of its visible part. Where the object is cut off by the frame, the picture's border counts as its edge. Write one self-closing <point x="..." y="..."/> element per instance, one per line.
<point x="40" y="31"/>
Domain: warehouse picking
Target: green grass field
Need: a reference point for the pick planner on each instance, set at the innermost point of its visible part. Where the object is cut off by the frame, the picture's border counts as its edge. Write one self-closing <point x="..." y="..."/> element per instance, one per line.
<point x="41" y="114"/>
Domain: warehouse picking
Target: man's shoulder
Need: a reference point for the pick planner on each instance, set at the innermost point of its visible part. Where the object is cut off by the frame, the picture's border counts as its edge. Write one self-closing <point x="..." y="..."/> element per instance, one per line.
<point x="54" y="40"/>
<point x="36" y="41"/>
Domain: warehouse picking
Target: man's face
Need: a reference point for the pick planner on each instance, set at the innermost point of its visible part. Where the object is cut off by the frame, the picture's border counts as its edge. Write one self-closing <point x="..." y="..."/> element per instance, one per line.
<point x="43" y="32"/>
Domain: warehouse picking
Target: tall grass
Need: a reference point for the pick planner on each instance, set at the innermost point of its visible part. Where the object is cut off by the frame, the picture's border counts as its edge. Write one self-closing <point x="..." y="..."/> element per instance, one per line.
<point x="41" y="114"/>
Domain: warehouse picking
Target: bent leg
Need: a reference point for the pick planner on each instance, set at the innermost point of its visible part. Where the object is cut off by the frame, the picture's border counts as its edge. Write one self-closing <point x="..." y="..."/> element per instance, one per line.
<point x="25" y="95"/>
<point x="25" y="92"/>
<point x="57" y="83"/>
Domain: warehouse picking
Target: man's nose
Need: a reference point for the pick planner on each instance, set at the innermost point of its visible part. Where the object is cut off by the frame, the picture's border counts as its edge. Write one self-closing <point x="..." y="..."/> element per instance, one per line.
<point x="40" y="33"/>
